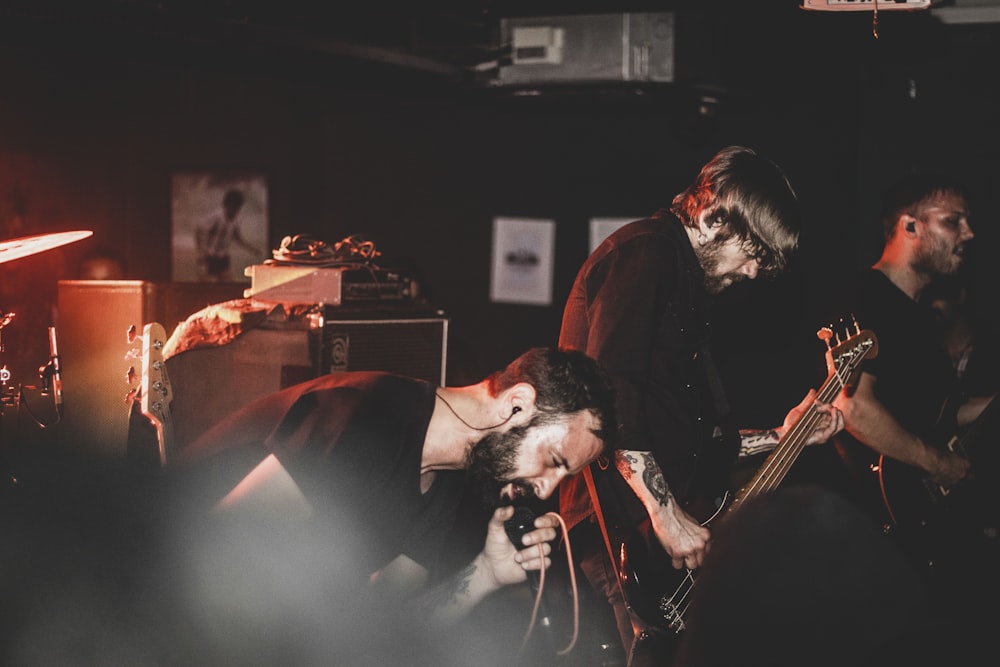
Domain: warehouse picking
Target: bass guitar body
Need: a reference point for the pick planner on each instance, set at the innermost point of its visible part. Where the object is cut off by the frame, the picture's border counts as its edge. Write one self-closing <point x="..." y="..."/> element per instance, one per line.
<point x="915" y="503"/>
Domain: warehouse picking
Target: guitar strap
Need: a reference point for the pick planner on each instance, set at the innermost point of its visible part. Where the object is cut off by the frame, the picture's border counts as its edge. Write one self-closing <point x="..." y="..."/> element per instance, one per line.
<point x="588" y="475"/>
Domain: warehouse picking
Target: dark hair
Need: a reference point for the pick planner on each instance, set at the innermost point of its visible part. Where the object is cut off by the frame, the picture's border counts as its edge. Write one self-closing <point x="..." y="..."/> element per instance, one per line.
<point x="752" y="197"/>
<point x="233" y="198"/>
<point x="911" y="193"/>
<point x="566" y="382"/>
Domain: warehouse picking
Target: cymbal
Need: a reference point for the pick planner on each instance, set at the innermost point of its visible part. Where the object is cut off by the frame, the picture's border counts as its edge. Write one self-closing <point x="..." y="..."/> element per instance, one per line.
<point x="30" y="245"/>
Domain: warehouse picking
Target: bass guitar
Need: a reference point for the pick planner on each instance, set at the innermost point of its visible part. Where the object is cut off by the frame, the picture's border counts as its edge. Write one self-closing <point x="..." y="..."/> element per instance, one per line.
<point x="659" y="594"/>
<point x="913" y="500"/>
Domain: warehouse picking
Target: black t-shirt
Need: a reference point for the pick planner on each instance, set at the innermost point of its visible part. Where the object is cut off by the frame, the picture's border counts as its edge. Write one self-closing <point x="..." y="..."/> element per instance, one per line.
<point x="352" y="442"/>
<point x="914" y="372"/>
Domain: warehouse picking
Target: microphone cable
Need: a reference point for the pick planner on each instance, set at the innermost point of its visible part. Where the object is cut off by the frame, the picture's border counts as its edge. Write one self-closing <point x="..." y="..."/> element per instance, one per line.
<point x="541" y="588"/>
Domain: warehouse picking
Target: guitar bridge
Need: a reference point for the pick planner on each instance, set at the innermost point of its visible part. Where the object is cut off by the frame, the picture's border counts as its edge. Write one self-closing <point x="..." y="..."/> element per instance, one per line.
<point x="673" y="616"/>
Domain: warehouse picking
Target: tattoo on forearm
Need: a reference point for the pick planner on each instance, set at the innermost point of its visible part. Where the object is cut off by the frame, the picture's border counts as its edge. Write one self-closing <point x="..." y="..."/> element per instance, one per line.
<point x="628" y="464"/>
<point x="657" y="485"/>
<point x="450" y="591"/>
<point x="624" y="462"/>
<point x="755" y="442"/>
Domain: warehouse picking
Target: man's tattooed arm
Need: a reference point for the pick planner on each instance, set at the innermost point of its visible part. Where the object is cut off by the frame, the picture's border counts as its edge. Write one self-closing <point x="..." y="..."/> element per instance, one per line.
<point x="449" y="599"/>
<point x="678" y="532"/>
<point x="631" y="463"/>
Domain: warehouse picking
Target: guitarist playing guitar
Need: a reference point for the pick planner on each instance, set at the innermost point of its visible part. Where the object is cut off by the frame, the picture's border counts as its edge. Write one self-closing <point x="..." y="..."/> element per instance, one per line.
<point x="661" y="595"/>
<point x="905" y="407"/>
<point x="641" y="305"/>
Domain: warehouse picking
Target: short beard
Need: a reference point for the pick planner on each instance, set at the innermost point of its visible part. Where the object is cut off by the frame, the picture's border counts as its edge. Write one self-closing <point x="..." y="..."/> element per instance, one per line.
<point x="936" y="259"/>
<point x="708" y="258"/>
<point x="491" y="464"/>
<point x="492" y="461"/>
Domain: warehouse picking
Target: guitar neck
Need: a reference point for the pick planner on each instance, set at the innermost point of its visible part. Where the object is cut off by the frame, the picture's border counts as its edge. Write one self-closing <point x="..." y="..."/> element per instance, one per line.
<point x="780" y="460"/>
<point x="845" y="360"/>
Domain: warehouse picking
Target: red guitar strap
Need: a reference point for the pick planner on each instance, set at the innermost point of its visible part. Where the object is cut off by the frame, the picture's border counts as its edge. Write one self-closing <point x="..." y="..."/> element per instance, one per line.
<point x="592" y="489"/>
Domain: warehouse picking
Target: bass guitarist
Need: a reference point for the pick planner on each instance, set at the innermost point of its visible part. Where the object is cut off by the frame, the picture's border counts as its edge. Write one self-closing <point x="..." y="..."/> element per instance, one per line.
<point x="640" y="305"/>
<point x="905" y="405"/>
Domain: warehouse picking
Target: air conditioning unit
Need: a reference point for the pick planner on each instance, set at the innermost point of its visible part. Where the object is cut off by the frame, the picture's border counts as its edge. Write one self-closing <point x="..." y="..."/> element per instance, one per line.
<point x="967" y="11"/>
<point x="866" y="5"/>
<point x="581" y="49"/>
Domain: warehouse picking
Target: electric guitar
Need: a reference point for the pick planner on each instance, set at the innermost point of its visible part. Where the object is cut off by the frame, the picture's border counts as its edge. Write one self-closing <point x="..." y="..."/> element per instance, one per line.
<point x="912" y="500"/>
<point x="154" y="393"/>
<point x="659" y="594"/>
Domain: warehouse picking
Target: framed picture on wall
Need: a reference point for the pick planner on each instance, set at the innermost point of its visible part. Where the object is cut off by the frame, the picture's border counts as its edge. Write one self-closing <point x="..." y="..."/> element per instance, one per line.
<point x="219" y="224"/>
<point x="523" y="250"/>
<point x="602" y="228"/>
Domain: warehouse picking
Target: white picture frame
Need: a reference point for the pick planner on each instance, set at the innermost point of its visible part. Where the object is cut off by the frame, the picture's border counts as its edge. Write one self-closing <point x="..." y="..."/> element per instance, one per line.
<point x="523" y="260"/>
<point x="602" y="228"/>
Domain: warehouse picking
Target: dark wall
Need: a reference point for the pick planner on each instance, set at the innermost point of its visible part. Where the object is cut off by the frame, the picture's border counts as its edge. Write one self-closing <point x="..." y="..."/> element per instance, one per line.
<point x="93" y="122"/>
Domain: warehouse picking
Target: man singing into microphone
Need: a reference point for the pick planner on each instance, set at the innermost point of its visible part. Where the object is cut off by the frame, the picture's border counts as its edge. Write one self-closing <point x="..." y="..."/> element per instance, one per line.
<point x="342" y="492"/>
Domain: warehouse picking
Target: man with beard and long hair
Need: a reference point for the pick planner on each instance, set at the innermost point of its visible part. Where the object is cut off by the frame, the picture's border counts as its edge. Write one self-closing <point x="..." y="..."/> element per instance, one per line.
<point x="351" y="484"/>
<point x="640" y="307"/>
<point x="938" y="499"/>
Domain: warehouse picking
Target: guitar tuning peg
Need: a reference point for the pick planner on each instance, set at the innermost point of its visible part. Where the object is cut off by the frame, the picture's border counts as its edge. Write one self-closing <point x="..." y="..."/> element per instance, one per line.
<point x="132" y="334"/>
<point x="825" y="334"/>
<point x="131" y="395"/>
<point x="130" y="375"/>
<point x="845" y="330"/>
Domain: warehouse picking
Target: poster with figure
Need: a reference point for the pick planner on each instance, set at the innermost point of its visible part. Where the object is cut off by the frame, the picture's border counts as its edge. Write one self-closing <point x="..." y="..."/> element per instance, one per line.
<point x="523" y="258"/>
<point x="219" y="225"/>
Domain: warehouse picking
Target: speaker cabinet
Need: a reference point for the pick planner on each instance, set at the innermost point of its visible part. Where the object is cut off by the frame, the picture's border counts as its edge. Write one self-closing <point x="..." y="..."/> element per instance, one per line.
<point x="406" y="346"/>
<point x="94" y="317"/>
<point x="210" y="382"/>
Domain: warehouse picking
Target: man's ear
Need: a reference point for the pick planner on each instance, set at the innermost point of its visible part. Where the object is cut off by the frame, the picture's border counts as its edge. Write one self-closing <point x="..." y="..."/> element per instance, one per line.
<point x="520" y="399"/>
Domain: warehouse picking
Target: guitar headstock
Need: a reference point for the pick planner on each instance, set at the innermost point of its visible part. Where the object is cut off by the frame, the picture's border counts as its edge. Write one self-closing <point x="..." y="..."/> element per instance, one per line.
<point x="846" y="351"/>
<point x="154" y="393"/>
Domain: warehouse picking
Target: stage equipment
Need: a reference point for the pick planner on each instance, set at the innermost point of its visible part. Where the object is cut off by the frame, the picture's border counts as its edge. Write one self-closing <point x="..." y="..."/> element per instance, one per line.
<point x="867" y="5"/>
<point x="588" y="49"/>
<point x="94" y="319"/>
<point x="330" y="286"/>
<point x="213" y="380"/>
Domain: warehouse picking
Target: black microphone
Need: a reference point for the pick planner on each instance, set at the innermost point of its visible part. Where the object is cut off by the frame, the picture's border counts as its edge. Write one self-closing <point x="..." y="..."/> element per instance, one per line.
<point x="57" y="394"/>
<point x="517" y="527"/>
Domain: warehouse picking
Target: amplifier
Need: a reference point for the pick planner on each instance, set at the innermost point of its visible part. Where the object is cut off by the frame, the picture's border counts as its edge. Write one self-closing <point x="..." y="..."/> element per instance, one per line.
<point x="211" y="382"/>
<point x="331" y="286"/>
<point x="94" y="316"/>
<point x="416" y="347"/>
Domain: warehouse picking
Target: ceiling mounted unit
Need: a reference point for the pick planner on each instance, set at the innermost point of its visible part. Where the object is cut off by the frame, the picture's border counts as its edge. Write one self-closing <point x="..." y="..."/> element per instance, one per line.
<point x="588" y="49"/>
<point x="866" y="5"/>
